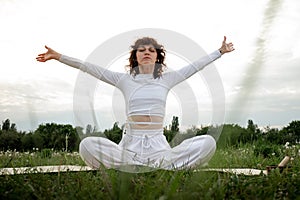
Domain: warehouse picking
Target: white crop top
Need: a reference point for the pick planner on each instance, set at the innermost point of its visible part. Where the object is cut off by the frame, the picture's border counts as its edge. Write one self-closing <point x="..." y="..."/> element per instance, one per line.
<point x="143" y="94"/>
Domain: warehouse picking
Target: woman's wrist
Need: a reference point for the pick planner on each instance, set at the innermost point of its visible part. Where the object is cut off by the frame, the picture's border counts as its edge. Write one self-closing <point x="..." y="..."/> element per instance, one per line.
<point x="57" y="56"/>
<point x="220" y="50"/>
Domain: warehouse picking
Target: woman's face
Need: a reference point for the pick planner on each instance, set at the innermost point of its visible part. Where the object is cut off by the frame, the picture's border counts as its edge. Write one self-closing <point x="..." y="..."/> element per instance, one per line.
<point x="146" y="55"/>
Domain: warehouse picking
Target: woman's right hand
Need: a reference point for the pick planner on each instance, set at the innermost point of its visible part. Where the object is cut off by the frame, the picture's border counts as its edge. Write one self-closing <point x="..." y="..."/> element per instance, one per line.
<point x="226" y="47"/>
<point x="50" y="54"/>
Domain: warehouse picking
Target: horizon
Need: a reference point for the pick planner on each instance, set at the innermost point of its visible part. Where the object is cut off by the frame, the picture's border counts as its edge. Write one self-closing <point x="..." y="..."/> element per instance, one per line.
<point x="182" y="129"/>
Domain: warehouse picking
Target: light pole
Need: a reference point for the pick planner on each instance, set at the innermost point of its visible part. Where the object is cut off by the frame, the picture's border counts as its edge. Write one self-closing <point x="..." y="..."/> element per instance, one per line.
<point x="67" y="136"/>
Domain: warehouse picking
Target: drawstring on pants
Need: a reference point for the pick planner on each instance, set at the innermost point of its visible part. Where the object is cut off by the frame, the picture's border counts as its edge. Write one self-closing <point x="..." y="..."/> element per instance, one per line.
<point x="143" y="136"/>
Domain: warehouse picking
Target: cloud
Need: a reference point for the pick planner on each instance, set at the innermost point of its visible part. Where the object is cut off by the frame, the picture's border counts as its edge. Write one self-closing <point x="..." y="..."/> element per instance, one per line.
<point x="40" y="94"/>
<point x="29" y="100"/>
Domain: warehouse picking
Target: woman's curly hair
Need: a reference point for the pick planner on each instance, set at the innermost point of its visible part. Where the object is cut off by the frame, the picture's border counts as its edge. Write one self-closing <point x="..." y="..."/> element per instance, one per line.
<point x="159" y="64"/>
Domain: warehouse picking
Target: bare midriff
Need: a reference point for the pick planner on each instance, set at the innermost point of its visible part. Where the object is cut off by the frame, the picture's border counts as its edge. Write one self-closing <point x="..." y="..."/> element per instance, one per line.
<point x="145" y="122"/>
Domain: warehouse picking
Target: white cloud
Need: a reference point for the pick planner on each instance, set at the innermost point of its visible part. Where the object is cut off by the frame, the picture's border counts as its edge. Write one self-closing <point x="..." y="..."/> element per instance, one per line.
<point x="76" y="28"/>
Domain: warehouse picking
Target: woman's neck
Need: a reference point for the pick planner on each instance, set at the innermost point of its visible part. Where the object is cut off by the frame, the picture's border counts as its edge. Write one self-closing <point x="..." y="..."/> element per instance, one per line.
<point x="146" y="69"/>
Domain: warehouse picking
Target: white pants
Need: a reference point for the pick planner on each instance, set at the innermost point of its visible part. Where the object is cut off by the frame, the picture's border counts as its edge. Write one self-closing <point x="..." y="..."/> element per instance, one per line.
<point x="141" y="150"/>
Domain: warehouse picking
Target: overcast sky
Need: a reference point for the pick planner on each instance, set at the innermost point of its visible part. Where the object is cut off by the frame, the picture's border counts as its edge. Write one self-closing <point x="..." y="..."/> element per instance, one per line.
<point x="260" y="79"/>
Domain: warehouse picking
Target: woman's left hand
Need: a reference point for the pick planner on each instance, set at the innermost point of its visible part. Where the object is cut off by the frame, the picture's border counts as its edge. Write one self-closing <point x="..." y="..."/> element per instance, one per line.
<point x="226" y="47"/>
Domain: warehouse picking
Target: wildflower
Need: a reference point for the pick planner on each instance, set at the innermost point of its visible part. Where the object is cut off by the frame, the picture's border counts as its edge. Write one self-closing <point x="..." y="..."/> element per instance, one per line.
<point x="259" y="165"/>
<point x="273" y="154"/>
<point x="287" y="145"/>
<point x="294" y="175"/>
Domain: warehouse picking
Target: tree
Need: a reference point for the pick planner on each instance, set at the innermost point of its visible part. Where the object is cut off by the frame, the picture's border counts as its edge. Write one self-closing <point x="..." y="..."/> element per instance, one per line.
<point x="114" y="134"/>
<point x="54" y="136"/>
<point x="38" y="140"/>
<point x="27" y="142"/>
<point x="13" y="127"/>
<point x="291" y="133"/>
<point x="251" y="134"/>
<point x="273" y="135"/>
<point x="251" y="126"/>
<point x="79" y="131"/>
<point x="173" y="129"/>
<point x="10" y="141"/>
<point x="6" y="125"/>
<point x="231" y="134"/>
<point x="88" y="129"/>
<point x="202" y="131"/>
<point x="10" y="138"/>
<point x="175" y="124"/>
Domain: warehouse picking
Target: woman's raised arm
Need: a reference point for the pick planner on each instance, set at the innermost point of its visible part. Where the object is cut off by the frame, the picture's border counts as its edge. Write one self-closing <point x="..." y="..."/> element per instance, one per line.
<point x="98" y="72"/>
<point x="182" y="74"/>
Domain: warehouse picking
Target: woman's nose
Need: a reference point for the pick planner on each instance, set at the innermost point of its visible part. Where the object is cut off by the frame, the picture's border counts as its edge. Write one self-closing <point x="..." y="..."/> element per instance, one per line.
<point x="147" y="51"/>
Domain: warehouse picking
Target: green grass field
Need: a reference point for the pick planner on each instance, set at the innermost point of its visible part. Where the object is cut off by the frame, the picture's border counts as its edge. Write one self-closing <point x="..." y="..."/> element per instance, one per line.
<point x="160" y="184"/>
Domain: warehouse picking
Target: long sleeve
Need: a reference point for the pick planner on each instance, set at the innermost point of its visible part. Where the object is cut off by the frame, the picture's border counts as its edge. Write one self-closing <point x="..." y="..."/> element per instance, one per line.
<point x="98" y="72"/>
<point x="182" y="74"/>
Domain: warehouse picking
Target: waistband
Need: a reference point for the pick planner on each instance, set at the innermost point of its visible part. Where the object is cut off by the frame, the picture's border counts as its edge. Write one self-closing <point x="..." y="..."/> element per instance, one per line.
<point x="143" y="125"/>
<point x="144" y="132"/>
<point x="148" y="123"/>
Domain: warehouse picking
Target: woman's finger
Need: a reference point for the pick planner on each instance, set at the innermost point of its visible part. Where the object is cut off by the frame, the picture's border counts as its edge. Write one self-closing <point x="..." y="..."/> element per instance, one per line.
<point x="224" y="41"/>
<point x="40" y="59"/>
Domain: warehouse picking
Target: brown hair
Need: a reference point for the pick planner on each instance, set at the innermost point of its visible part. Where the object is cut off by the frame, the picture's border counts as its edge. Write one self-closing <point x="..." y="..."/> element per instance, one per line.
<point x="159" y="64"/>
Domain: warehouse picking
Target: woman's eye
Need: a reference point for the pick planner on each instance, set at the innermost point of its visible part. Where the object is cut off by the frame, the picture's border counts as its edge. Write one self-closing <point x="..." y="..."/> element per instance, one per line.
<point x="144" y="49"/>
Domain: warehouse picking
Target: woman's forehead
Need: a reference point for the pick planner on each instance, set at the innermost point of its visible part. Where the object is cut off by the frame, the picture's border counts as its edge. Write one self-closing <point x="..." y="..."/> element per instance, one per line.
<point x="146" y="46"/>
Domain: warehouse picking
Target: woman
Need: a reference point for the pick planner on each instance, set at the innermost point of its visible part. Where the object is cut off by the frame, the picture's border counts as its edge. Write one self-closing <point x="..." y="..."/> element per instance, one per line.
<point x="145" y="89"/>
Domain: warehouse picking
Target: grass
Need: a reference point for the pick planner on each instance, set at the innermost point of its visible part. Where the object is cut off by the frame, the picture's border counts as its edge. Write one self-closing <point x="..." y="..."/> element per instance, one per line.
<point x="44" y="157"/>
<point x="160" y="184"/>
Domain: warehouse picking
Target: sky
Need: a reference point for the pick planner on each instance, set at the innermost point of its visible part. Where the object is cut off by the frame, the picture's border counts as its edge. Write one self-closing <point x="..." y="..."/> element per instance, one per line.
<point x="260" y="78"/>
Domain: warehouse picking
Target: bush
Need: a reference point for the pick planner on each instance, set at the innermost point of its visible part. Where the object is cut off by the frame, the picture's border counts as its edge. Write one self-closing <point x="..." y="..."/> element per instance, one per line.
<point x="266" y="150"/>
<point x="46" y="153"/>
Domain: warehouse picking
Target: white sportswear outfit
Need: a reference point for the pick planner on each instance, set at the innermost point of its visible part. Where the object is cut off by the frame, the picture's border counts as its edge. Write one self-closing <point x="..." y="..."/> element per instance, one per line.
<point x="145" y="95"/>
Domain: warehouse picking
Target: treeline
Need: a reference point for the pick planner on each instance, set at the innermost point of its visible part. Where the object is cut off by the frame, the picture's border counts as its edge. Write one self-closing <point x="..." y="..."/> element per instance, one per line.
<point x="67" y="138"/>
<point x="46" y="136"/>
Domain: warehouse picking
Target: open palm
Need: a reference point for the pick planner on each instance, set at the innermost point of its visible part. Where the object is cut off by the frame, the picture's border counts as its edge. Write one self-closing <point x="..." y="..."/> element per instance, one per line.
<point x="50" y="54"/>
